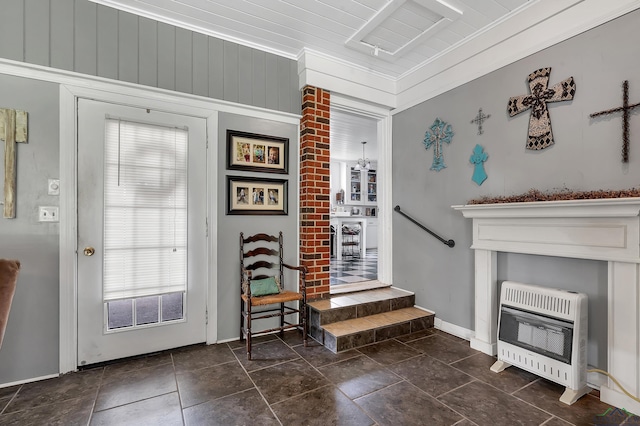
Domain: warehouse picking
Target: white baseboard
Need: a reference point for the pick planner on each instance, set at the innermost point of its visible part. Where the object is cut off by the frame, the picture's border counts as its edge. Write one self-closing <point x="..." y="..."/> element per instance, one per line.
<point x="31" y="380"/>
<point x="456" y="330"/>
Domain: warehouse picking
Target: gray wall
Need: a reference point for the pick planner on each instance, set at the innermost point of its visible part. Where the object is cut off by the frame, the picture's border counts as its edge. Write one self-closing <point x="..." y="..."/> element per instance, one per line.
<point x="30" y="347"/>
<point x="586" y="156"/>
<point x="90" y="39"/>
<point x="230" y="226"/>
<point x="81" y="36"/>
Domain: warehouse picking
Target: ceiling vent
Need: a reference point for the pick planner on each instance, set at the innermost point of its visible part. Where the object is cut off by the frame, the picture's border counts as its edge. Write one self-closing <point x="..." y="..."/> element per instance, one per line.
<point x="401" y="25"/>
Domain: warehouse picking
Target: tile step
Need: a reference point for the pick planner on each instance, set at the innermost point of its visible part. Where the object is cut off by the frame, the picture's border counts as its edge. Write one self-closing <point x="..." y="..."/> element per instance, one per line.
<point x="359" y="304"/>
<point x="352" y="333"/>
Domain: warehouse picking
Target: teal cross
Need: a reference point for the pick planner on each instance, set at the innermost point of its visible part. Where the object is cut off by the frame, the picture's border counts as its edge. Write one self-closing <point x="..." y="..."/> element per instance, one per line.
<point x="438" y="132"/>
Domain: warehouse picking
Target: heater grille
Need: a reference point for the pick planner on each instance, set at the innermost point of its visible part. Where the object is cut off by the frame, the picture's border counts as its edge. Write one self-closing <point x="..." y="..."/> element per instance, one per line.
<point x="539" y="301"/>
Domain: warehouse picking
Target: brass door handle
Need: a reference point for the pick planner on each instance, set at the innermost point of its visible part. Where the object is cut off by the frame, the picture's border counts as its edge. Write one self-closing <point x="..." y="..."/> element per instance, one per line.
<point x="89" y="251"/>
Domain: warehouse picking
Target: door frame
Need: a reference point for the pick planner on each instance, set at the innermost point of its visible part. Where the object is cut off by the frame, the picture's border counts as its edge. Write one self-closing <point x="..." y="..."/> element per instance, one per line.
<point x="134" y="95"/>
<point x="383" y="119"/>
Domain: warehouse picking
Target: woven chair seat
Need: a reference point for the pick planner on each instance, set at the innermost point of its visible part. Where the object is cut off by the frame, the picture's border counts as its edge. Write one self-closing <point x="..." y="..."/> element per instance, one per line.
<point x="282" y="297"/>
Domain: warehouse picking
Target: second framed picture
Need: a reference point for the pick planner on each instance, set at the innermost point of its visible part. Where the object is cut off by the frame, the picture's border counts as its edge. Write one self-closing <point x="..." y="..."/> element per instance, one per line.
<point x="257" y="153"/>
<point x="256" y="196"/>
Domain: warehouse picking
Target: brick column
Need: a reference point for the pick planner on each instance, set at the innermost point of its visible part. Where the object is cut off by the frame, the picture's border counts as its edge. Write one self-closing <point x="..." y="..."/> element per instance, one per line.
<point x="315" y="190"/>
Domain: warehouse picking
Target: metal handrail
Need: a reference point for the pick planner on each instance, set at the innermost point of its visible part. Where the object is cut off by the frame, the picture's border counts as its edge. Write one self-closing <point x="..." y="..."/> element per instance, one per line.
<point x="450" y="243"/>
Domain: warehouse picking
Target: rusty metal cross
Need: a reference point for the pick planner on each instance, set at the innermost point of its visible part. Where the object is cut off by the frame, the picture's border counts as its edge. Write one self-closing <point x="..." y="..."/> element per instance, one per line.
<point x="480" y="118"/>
<point x="13" y="129"/>
<point x="626" y="109"/>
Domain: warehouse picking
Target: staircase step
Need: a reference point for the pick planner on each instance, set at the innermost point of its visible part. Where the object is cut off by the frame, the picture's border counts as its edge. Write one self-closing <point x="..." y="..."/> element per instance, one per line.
<point x="355" y="319"/>
<point x="352" y="333"/>
<point x="359" y="304"/>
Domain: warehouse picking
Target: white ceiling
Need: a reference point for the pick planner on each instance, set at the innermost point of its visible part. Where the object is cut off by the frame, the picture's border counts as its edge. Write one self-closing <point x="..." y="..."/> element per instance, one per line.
<point x="408" y="33"/>
<point x="347" y="131"/>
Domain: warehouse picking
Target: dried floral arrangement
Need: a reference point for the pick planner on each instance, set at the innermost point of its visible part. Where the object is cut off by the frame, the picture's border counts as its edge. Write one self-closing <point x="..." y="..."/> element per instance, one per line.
<point x="564" y="194"/>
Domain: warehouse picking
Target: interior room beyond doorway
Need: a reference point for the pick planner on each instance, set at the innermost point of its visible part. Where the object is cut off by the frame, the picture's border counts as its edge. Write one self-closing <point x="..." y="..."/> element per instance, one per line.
<point x="354" y="199"/>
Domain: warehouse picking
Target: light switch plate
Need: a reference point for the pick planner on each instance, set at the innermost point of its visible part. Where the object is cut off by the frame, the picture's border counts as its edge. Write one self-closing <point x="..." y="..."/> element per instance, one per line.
<point x="48" y="214"/>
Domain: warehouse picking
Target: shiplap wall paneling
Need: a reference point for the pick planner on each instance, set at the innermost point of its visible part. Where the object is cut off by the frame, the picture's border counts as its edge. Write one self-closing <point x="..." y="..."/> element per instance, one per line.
<point x="184" y="61"/>
<point x="85" y="50"/>
<point x="36" y="35"/>
<point x="81" y="36"/>
<point x="216" y="68"/>
<point x="272" y="76"/>
<point x="166" y="56"/>
<point x="148" y="52"/>
<point x="127" y="47"/>
<point x="230" y="77"/>
<point x="245" y="70"/>
<point x="259" y="78"/>
<point x="200" y="65"/>
<point x="107" y="42"/>
<point x="11" y="30"/>
<point x="61" y="43"/>
<point x="284" y="76"/>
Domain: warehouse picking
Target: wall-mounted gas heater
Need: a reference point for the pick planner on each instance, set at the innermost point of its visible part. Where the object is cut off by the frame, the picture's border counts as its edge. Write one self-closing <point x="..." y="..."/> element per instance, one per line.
<point x="544" y="331"/>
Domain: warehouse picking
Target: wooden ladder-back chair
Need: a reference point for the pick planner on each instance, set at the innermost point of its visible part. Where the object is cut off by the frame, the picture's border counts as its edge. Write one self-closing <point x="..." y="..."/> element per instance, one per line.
<point x="262" y="284"/>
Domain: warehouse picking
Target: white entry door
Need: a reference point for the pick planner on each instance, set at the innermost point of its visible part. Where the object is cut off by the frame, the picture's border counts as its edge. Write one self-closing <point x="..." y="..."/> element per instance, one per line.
<point x="142" y="244"/>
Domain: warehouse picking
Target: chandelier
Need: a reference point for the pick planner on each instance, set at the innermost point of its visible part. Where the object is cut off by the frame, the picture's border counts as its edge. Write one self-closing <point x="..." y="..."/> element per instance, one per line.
<point x="363" y="163"/>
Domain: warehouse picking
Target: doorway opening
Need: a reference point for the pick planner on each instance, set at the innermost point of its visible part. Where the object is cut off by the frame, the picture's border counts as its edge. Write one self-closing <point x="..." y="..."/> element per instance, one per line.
<point x="354" y="207"/>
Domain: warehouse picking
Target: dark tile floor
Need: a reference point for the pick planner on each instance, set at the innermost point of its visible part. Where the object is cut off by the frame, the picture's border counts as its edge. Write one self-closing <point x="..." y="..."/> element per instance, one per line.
<point x="354" y="269"/>
<point x="428" y="378"/>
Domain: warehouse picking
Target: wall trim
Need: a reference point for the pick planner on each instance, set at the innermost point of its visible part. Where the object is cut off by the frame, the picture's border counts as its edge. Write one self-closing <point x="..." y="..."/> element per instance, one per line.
<point x="337" y="76"/>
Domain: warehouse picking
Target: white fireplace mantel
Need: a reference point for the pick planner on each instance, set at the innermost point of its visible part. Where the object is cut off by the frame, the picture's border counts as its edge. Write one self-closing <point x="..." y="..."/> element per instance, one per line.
<point x="604" y="229"/>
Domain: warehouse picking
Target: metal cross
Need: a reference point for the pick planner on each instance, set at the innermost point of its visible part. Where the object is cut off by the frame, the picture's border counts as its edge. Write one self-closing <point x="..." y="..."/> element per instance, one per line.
<point x="625" y="108"/>
<point x="480" y="118"/>
<point x="13" y="128"/>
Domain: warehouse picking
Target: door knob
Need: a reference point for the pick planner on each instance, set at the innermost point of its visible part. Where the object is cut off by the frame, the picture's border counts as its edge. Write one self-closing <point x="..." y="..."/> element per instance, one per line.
<point x="89" y="251"/>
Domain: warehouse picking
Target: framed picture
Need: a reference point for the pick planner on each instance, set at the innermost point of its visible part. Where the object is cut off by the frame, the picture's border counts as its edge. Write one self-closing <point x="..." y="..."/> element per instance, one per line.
<point x="249" y="195"/>
<point x="258" y="153"/>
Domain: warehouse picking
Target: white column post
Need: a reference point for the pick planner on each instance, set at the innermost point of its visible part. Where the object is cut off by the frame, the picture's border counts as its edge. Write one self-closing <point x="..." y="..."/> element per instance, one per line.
<point x="486" y="303"/>
<point x="624" y="336"/>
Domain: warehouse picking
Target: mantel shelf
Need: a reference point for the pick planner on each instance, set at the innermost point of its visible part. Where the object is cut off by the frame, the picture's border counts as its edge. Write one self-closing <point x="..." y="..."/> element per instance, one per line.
<point x="605" y="207"/>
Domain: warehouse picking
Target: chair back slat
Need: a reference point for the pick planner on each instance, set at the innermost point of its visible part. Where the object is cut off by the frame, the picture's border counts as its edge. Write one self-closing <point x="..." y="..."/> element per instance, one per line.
<point x="260" y="264"/>
<point x="261" y="250"/>
<point x="261" y="237"/>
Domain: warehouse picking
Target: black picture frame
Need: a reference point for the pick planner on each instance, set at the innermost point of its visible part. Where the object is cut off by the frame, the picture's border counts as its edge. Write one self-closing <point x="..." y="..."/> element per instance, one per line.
<point x="257" y="153"/>
<point x="257" y="196"/>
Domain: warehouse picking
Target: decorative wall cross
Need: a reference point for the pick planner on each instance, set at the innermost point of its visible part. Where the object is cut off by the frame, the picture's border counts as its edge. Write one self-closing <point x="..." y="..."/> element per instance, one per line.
<point x="13" y="128"/>
<point x="480" y="118"/>
<point x="625" y="108"/>
<point x="540" y="134"/>
<point x="438" y="132"/>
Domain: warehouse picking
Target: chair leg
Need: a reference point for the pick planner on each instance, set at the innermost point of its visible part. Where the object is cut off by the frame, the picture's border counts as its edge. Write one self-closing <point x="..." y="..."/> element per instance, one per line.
<point x="248" y="331"/>
<point x="304" y="323"/>
<point x="282" y="320"/>
<point x="241" y="320"/>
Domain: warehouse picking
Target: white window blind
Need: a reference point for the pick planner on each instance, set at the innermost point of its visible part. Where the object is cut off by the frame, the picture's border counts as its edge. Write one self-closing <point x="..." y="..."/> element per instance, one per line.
<point x="145" y="210"/>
